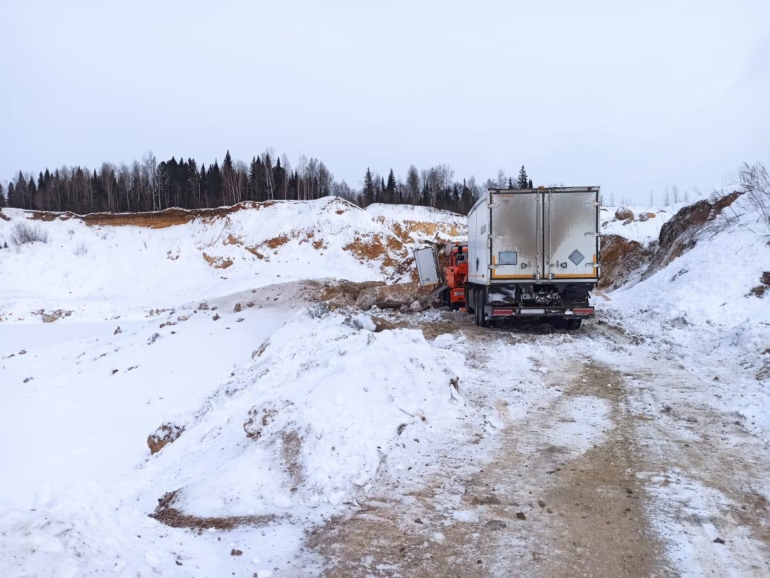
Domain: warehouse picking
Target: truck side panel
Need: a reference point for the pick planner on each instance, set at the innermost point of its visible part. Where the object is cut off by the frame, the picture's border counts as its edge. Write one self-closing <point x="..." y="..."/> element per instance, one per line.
<point x="478" y="238"/>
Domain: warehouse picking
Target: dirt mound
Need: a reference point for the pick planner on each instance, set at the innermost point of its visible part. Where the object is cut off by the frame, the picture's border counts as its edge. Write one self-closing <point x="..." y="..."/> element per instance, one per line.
<point x="164" y="435"/>
<point x="344" y="293"/>
<point x="623" y="214"/>
<point x="388" y="296"/>
<point x="620" y="259"/>
<point x="761" y="289"/>
<point x="680" y="233"/>
<point x="217" y="262"/>
<point x="51" y="316"/>
<point x="166" y="514"/>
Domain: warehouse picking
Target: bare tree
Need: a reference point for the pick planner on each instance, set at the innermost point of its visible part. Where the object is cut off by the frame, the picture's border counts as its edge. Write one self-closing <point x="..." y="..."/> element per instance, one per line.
<point x="154" y="178"/>
<point x="502" y="180"/>
<point x="675" y="193"/>
<point x="107" y="175"/>
<point x="286" y="173"/>
<point x="325" y="180"/>
<point x="667" y="198"/>
<point x="755" y="183"/>
<point x="268" y="174"/>
<point x="652" y="199"/>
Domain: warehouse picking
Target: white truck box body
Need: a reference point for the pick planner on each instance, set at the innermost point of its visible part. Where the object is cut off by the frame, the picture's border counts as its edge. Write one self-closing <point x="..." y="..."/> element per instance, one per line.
<point x="534" y="235"/>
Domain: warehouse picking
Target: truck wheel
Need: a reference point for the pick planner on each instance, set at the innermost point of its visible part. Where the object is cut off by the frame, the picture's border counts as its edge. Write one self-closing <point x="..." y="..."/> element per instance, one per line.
<point x="573" y="324"/>
<point x="483" y="322"/>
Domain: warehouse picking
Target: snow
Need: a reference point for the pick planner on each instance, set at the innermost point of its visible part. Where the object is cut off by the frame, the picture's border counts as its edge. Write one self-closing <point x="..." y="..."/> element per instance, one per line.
<point x="701" y="300"/>
<point x="293" y="413"/>
<point x="644" y="232"/>
<point x="342" y="391"/>
<point x="163" y="267"/>
<point x="466" y="516"/>
<point x="80" y="398"/>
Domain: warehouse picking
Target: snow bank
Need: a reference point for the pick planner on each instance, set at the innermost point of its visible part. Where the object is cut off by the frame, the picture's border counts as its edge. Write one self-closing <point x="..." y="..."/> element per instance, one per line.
<point x="310" y="421"/>
<point x="702" y="301"/>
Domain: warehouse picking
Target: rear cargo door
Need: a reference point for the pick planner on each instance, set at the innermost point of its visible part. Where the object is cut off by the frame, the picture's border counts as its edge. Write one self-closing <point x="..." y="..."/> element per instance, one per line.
<point x="516" y="235"/>
<point x="426" y="259"/>
<point x="570" y="236"/>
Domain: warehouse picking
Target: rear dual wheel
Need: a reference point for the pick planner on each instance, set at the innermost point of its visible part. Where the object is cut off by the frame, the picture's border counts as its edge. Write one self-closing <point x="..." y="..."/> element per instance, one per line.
<point x="573" y="324"/>
<point x="469" y="303"/>
<point x="568" y="324"/>
<point x="480" y="301"/>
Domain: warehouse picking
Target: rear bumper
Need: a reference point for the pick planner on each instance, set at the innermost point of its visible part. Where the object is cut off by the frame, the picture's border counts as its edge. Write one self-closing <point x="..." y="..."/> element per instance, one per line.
<point x="529" y="312"/>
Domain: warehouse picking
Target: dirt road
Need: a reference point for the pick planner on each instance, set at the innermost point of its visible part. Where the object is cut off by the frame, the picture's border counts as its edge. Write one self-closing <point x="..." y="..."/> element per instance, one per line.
<point x="594" y="462"/>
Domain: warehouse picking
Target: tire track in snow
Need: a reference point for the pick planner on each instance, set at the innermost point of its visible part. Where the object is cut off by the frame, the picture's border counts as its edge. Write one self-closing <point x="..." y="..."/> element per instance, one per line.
<point x="564" y="461"/>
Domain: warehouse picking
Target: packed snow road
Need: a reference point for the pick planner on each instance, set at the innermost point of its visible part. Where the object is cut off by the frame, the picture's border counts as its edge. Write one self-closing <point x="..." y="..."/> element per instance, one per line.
<point x="604" y="454"/>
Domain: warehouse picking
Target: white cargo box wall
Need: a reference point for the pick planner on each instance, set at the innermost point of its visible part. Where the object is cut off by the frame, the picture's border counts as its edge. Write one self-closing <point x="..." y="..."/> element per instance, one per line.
<point x="427" y="266"/>
<point x="534" y="235"/>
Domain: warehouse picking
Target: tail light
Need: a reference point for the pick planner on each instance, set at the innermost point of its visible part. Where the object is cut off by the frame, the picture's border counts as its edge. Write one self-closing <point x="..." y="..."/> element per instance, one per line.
<point x="502" y="311"/>
<point x="584" y="311"/>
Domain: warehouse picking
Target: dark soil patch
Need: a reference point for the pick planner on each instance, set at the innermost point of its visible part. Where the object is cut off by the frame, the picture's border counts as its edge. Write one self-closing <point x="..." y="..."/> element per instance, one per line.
<point x="174" y="518"/>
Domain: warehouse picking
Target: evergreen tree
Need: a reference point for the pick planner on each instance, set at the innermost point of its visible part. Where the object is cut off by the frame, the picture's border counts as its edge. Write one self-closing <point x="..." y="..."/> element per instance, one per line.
<point x="510" y="183"/>
<point x="12" y="201"/>
<point x="466" y="199"/>
<point x="215" y="185"/>
<point x="523" y="181"/>
<point x="32" y="194"/>
<point x="2" y="198"/>
<point x="21" y="192"/>
<point x="390" y="188"/>
<point x="530" y="184"/>
<point x="368" y="191"/>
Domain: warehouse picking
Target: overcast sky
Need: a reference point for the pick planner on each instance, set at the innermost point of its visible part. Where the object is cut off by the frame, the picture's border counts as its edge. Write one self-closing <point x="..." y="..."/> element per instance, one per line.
<point x="631" y="97"/>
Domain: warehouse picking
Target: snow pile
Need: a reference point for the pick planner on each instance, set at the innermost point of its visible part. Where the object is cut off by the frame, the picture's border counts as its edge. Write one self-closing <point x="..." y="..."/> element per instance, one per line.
<point x="310" y="422"/>
<point x="105" y="264"/>
<point x="644" y="226"/>
<point x="283" y="424"/>
<point x="75" y="534"/>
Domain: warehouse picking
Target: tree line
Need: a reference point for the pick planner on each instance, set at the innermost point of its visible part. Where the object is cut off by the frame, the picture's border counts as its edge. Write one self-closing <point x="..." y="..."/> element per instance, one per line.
<point x="149" y="185"/>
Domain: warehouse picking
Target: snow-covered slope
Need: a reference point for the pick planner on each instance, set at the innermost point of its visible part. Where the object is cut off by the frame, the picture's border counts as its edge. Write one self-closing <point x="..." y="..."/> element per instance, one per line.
<point x="176" y="320"/>
<point x="92" y="266"/>
<point x="710" y="296"/>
